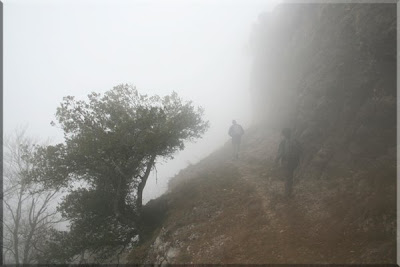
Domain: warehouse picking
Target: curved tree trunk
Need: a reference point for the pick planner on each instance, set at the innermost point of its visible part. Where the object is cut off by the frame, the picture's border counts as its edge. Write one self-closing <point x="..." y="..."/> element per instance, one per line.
<point x="142" y="183"/>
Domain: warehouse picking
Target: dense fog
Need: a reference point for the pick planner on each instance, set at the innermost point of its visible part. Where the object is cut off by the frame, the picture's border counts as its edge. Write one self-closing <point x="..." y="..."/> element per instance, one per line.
<point x="197" y="48"/>
<point x="272" y="128"/>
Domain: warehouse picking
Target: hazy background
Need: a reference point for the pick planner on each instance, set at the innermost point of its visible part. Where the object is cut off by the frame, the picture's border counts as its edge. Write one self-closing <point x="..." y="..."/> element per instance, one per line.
<point x="196" y="48"/>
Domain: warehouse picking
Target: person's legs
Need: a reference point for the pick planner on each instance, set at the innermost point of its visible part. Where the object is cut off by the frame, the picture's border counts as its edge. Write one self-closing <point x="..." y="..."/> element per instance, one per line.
<point x="236" y="144"/>
<point x="239" y="139"/>
<point x="290" y="167"/>
<point x="289" y="182"/>
<point x="236" y="151"/>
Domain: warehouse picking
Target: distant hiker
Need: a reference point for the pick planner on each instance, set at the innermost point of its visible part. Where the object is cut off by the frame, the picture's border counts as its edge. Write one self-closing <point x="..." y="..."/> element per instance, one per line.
<point x="236" y="131"/>
<point x="289" y="154"/>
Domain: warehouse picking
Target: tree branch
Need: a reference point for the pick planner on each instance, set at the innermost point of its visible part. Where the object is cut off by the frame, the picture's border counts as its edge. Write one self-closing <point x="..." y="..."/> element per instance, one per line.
<point x="10" y="209"/>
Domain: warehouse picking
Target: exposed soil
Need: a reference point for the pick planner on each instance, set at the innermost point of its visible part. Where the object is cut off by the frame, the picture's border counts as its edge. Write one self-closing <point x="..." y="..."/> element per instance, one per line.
<point x="233" y="211"/>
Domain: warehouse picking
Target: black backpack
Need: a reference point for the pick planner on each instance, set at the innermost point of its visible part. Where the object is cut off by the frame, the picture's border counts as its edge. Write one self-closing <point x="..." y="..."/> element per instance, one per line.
<point x="292" y="149"/>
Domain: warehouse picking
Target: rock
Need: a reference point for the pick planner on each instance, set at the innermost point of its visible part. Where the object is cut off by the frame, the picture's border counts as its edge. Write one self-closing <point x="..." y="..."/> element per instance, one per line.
<point x="172" y="253"/>
<point x="164" y="263"/>
<point x="157" y="242"/>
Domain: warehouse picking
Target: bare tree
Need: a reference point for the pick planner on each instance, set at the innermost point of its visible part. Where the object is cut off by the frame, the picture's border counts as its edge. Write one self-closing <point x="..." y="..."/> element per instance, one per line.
<point x="29" y="210"/>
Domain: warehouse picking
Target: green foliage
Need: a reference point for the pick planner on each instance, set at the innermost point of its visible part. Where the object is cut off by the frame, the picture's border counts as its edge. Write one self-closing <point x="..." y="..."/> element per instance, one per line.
<point x="153" y="215"/>
<point x="111" y="144"/>
<point x="55" y="249"/>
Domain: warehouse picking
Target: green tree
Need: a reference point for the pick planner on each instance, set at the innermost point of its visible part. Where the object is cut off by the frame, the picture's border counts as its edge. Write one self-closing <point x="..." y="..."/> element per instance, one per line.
<point x="111" y="145"/>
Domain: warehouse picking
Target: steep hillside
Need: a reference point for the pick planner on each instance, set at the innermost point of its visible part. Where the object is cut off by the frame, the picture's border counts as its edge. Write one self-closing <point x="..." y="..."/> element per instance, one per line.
<point x="225" y="211"/>
<point x="328" y="71"/>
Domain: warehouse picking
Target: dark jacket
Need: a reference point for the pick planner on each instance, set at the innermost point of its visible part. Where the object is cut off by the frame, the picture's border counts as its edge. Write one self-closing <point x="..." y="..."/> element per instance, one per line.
<point x="236" y="130"/>
<point x="289" y="152"/>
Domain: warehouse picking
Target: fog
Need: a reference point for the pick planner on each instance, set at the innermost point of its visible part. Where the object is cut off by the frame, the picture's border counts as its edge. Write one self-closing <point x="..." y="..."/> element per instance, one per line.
<point x="197" y="48"/>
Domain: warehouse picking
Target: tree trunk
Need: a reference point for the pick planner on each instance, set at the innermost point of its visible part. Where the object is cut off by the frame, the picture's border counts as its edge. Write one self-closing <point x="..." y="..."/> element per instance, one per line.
<point x="117" y="198"/>
<point x="17" y="222"/>
<point x="142" y="183"/>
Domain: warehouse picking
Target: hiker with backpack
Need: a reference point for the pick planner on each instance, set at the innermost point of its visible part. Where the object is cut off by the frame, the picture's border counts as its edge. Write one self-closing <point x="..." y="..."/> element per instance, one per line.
<point x="236" y="131"/>
<point x="289" y="152"/>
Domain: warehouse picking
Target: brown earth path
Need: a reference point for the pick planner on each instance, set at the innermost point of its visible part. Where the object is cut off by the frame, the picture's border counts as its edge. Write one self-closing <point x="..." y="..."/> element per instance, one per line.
<point x="225" y="211"/>
<point x="286" y="216"/>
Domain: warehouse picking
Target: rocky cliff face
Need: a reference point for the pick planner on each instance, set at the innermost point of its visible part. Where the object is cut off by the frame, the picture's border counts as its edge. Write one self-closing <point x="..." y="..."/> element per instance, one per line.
<point x="328" y="71"/>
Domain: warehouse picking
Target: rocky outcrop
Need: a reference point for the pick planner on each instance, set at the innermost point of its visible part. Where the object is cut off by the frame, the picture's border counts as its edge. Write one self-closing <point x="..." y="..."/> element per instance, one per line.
<point x="328" y="71"/>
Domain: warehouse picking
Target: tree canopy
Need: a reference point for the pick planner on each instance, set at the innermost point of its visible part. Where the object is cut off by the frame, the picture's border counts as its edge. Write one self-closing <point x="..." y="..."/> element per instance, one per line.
<point x="111" y="143"/>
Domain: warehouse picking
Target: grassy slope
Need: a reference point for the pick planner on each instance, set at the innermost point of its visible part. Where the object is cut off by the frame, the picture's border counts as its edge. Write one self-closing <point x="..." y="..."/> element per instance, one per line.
<point x="225" y="211"/>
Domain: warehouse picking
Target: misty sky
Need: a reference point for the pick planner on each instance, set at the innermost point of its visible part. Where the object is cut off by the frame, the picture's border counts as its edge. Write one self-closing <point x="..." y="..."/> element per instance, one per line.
<point x="196" y="48"/>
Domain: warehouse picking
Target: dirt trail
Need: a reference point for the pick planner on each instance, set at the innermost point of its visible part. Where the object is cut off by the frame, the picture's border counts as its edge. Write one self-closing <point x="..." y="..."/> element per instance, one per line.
<point x="301" y="229"/>
<point x="233" y="212"/>
<point x="286" y="217"/>
<point x="264" y="189"/>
